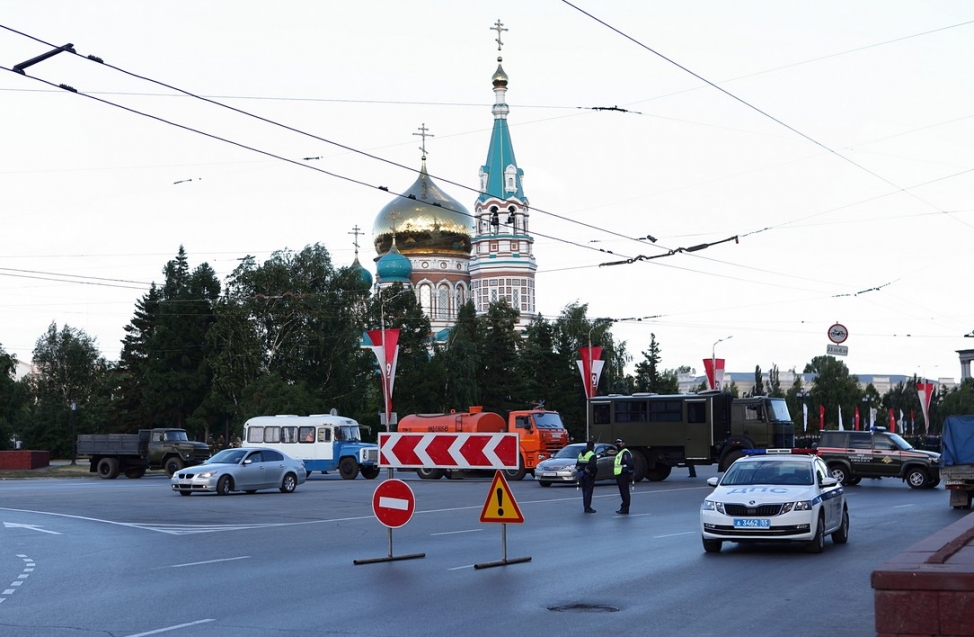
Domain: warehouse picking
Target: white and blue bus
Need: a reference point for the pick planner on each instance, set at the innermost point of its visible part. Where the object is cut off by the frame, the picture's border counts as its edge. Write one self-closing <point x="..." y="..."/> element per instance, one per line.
<point x="324" y="442"/>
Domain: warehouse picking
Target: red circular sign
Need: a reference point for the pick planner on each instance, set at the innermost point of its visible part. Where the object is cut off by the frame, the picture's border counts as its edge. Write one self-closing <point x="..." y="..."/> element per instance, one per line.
<point x="838" y="333"/>
<point x="393" y="503"/>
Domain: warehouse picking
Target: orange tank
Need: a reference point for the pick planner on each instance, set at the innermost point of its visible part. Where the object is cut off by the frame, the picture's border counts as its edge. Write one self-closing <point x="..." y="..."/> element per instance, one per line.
<point x="474" y="421"/>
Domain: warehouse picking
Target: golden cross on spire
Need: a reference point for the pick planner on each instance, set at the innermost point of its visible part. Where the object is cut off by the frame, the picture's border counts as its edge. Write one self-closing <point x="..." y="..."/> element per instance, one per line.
<point x="499" y="27"/>
<point x="424" y="133"/>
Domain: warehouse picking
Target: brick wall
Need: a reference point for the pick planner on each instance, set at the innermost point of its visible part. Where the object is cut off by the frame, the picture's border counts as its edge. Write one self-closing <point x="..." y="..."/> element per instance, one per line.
<point x="24" y="459"/>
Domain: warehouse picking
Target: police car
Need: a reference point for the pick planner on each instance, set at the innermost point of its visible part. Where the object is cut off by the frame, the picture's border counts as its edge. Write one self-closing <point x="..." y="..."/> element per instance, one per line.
<point x="775" y="495"/>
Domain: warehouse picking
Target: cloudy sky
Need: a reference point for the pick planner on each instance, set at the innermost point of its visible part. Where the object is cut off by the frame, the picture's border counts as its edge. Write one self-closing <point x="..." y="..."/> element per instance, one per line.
<point x="834" y="139"/>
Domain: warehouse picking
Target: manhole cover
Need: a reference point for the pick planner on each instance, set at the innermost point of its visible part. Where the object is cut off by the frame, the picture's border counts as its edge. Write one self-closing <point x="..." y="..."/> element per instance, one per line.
<point x="584" y="608"/>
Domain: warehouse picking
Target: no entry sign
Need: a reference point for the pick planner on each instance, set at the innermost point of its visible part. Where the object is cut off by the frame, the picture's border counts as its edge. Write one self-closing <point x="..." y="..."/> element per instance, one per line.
<point x="393" y="503"/>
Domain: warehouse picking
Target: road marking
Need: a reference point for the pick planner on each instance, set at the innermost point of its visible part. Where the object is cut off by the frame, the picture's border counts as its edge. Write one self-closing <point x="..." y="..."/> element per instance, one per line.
<point x="226" y="559"/>
<point x="902" y="506"/>
<point x="457" y="532"/>
<point x="169" y="628"/>
<point x="656" y="537"/>
<point x="32" y="527"/>
<point x="28" y="569"/>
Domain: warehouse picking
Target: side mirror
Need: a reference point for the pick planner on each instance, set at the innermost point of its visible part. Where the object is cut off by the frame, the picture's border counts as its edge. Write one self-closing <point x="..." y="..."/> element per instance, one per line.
<point x="712" y="481"/>
<point x="829" y="482"/>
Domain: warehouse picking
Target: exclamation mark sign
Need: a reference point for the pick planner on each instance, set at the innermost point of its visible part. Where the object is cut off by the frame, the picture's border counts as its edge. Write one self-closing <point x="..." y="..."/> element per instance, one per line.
<point x="500" y="502"/>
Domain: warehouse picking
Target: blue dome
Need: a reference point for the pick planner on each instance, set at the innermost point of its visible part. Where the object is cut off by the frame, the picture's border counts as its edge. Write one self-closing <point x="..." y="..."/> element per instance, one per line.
<point x="363" y="276"/>
<point x="393" y="267"/>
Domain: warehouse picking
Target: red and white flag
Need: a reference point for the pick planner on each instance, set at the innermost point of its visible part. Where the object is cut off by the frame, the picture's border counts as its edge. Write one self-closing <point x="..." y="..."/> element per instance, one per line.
<point x="715" y="372"/>
<point x="925" y="392"/>
<point x="385" y="346"/>
<point x="591" y="368"/>
<point x="841" y="428"/>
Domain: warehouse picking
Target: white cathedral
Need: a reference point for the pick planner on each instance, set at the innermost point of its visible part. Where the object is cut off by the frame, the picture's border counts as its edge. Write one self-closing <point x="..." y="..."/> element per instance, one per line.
<point x="430" y="242"/>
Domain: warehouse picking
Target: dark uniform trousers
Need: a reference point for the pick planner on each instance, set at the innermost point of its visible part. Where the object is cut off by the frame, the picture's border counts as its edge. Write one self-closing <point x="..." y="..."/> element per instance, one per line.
<point x="623" y="480"/>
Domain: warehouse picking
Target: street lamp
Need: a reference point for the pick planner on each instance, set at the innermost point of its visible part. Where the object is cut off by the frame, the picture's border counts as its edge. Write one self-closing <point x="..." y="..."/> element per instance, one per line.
<point x="713" y="358"/>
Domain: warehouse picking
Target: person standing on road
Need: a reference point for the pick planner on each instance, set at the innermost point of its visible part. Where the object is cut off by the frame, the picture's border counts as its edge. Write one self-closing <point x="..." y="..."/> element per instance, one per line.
<point x="587" y="466"/>
<point x="623" y="471"/>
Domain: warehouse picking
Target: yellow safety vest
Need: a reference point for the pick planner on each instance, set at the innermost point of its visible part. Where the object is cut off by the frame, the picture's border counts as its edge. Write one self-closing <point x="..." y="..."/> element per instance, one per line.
<point x="583" y="459"/>
<point x="617" y="466"/>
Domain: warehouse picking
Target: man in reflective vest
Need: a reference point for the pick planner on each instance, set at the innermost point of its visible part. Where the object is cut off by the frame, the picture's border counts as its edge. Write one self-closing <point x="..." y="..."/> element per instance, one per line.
<point x="623" y="470"/>
<point x="587" y="466"/>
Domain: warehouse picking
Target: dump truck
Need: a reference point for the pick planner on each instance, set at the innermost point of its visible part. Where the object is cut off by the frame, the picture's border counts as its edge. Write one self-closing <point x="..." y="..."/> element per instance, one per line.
<point x="957" y="460"/>
<point x="683" y="430"/>
<point x="541" y="433"/>
<point x="132" y="454"/>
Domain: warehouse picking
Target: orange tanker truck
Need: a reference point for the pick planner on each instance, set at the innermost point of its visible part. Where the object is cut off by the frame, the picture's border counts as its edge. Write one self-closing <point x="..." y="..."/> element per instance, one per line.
<point x="541" y="434"/>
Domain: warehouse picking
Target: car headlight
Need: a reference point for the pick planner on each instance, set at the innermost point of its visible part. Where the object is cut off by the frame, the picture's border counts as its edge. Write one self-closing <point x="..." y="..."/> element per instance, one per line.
<point x="713" y="505"/>
<point x="801" y="505"/>
<point x="207" y="474"/>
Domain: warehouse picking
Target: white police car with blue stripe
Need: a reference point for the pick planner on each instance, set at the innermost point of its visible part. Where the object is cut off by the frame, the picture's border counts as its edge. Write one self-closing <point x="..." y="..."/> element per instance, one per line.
<point x="775" y="495"/>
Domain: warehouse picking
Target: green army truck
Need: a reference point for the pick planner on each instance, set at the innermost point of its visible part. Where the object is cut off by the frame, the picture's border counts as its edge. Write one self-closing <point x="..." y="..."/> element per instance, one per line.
<point x="133" y="454"/>
<point x="683" y="430"/>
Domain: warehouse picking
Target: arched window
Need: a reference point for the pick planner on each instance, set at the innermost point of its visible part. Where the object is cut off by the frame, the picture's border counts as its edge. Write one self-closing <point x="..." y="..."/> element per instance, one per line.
<point x="510" y="178"/>
<point x="425" y="299"/>
<point x="443" y="302"/>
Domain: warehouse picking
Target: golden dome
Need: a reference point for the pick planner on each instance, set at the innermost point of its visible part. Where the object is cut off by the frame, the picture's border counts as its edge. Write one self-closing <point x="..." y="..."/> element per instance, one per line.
<point x="424" y="220"/>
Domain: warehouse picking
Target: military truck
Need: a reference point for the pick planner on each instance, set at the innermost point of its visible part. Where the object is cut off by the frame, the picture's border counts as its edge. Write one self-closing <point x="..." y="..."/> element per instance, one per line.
<point x="957" y="460"/>
<point x="133" y="454"/>
<point x="877" y="453"/>
<point x="684" y="430"/>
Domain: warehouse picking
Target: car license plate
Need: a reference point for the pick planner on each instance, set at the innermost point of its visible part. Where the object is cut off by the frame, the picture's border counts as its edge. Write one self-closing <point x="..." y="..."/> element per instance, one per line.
<point x="548" y="474"/>
<point x="751" y="523"/>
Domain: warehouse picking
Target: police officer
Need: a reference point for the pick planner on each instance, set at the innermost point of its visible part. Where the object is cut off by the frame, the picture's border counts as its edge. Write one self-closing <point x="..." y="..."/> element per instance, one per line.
<point x="623" y="469"/>
<point x="587" y="466"/>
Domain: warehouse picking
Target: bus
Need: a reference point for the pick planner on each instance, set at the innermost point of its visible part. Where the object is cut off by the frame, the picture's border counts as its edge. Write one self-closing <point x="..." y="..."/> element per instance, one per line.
<point x="324" y="442"/>
<point x="679" y="430"/>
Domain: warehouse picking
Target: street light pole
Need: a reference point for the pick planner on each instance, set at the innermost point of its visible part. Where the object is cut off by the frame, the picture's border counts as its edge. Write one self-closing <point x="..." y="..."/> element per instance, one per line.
<point x="713" y="358"/>
<point x="74" y="444"/>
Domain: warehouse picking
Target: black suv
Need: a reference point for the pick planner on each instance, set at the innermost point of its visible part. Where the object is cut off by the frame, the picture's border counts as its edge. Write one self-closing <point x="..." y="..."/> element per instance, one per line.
<point x="854" y="455"/>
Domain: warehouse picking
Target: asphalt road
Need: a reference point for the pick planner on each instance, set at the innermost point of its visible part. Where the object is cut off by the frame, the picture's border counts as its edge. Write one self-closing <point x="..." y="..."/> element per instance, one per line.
<point x="131" y="558"/>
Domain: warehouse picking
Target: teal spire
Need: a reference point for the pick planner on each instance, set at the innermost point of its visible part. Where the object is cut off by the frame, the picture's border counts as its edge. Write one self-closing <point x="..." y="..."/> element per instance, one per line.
<point x="393" y="267"/>
<point x="500" y="177"/>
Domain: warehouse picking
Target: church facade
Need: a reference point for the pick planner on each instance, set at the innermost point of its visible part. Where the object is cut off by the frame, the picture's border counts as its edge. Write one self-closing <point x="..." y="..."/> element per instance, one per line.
<point x="430" y="242"/>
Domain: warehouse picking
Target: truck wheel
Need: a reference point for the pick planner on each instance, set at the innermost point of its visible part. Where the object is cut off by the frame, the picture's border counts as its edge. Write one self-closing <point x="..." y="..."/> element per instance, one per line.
<point x="729" y="459"/>
<point x="224" y="486"/>
<point x="135" y="473"/>
<point x="173" y="465"/>
<point x="289" y="483"/>
<point x="639" y="466"/>
<point x="348" y="469"/>
<point x="933" y="483"/>
<point x="817" y="545"/>
<point x="429" y="474"/>
<point x="659" y="472"/>
<point x="108" y="468"/>
<point x="917" y="478"/>
<point x="370" y="473"/>
<point x="516" y="474"/>
<point x="840" y="473"/>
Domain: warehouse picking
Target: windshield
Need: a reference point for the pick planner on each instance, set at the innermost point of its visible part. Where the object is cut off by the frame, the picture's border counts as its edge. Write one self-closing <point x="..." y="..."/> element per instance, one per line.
<point x="768" y="472"/>
<point x="548" y="420"/>
<point x="348" y="432"/>
<point x="902" y="444"/>
<point x="777" y="410"/>
<point x="176" y="435"/>
<point x="227" y="456"/>
<point x="571" y="451"/>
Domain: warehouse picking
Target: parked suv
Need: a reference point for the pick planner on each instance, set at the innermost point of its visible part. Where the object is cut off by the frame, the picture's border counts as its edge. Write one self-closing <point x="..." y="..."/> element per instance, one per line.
<point x="854" y="455"/>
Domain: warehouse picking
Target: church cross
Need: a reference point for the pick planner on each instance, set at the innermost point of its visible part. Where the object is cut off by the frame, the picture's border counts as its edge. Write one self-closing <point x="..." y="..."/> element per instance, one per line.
<point x="424" y="133"/>
<point x="499" y="27"/>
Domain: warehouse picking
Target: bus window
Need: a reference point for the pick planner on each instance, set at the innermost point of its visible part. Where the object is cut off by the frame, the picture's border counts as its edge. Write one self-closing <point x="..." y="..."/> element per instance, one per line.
<point x="289" y="434"/>
<point x="696" y="412"/>
<point x="255" y="434"/>
<point x="601" y="413"/>
<point x="666" y="411"/>
<point x="324" y="434"/>
<point x="306" y="434"/>
<point x="272" y="434"/>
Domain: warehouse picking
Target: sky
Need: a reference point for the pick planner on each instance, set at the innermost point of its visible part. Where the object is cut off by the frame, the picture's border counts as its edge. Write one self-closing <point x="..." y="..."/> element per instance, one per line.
<point x="833" y="139"/>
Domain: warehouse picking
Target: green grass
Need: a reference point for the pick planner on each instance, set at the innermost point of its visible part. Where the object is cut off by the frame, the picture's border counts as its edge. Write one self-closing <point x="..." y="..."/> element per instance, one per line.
<point x="79" y="470"/>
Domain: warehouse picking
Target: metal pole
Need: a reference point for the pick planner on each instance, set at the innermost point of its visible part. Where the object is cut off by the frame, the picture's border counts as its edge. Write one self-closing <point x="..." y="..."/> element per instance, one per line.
<point x="74" y="439"/>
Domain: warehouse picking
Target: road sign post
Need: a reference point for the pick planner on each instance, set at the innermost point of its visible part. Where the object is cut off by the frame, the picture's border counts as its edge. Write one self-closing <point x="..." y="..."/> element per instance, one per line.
<point x="393" y="504"/>
<point x="501" y="507"/>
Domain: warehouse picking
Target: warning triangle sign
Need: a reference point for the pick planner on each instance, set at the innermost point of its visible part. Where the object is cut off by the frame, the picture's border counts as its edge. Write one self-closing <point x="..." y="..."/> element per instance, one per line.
<point x="500" y="505"/>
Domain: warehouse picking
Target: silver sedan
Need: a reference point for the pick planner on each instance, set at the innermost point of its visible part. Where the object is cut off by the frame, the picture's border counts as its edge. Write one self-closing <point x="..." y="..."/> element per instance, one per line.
<point x="560" y="468"/>
<point x="245" y="470"/>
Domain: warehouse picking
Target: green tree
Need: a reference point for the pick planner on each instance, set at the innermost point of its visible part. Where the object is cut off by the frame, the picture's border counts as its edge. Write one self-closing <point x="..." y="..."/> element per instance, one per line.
<point x="500" y="382"/>
<point x="834" y="388"/>
<point x="12" y="399"/>
<point x="68" y="370"/>
<point x="550" y="375"/>
<point x="647" y="370"/>
<point x="758" y="382"/>
<point x="132" y="373"/>
<point x="461" y="360"/>
<point x="774" y="383"/>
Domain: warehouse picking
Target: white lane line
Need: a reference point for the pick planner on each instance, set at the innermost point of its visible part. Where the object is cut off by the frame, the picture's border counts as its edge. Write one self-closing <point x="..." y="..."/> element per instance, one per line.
<point x="227" y="559"/>
<point x="457" y="532"/>
<point x="902" y="506"/>
<point x="657" y="537"/>
<point x="169" y="628"/>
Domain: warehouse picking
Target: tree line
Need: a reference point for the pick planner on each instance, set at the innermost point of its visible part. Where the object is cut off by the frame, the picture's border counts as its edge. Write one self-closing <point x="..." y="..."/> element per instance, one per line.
<point x="285" y="336"/>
